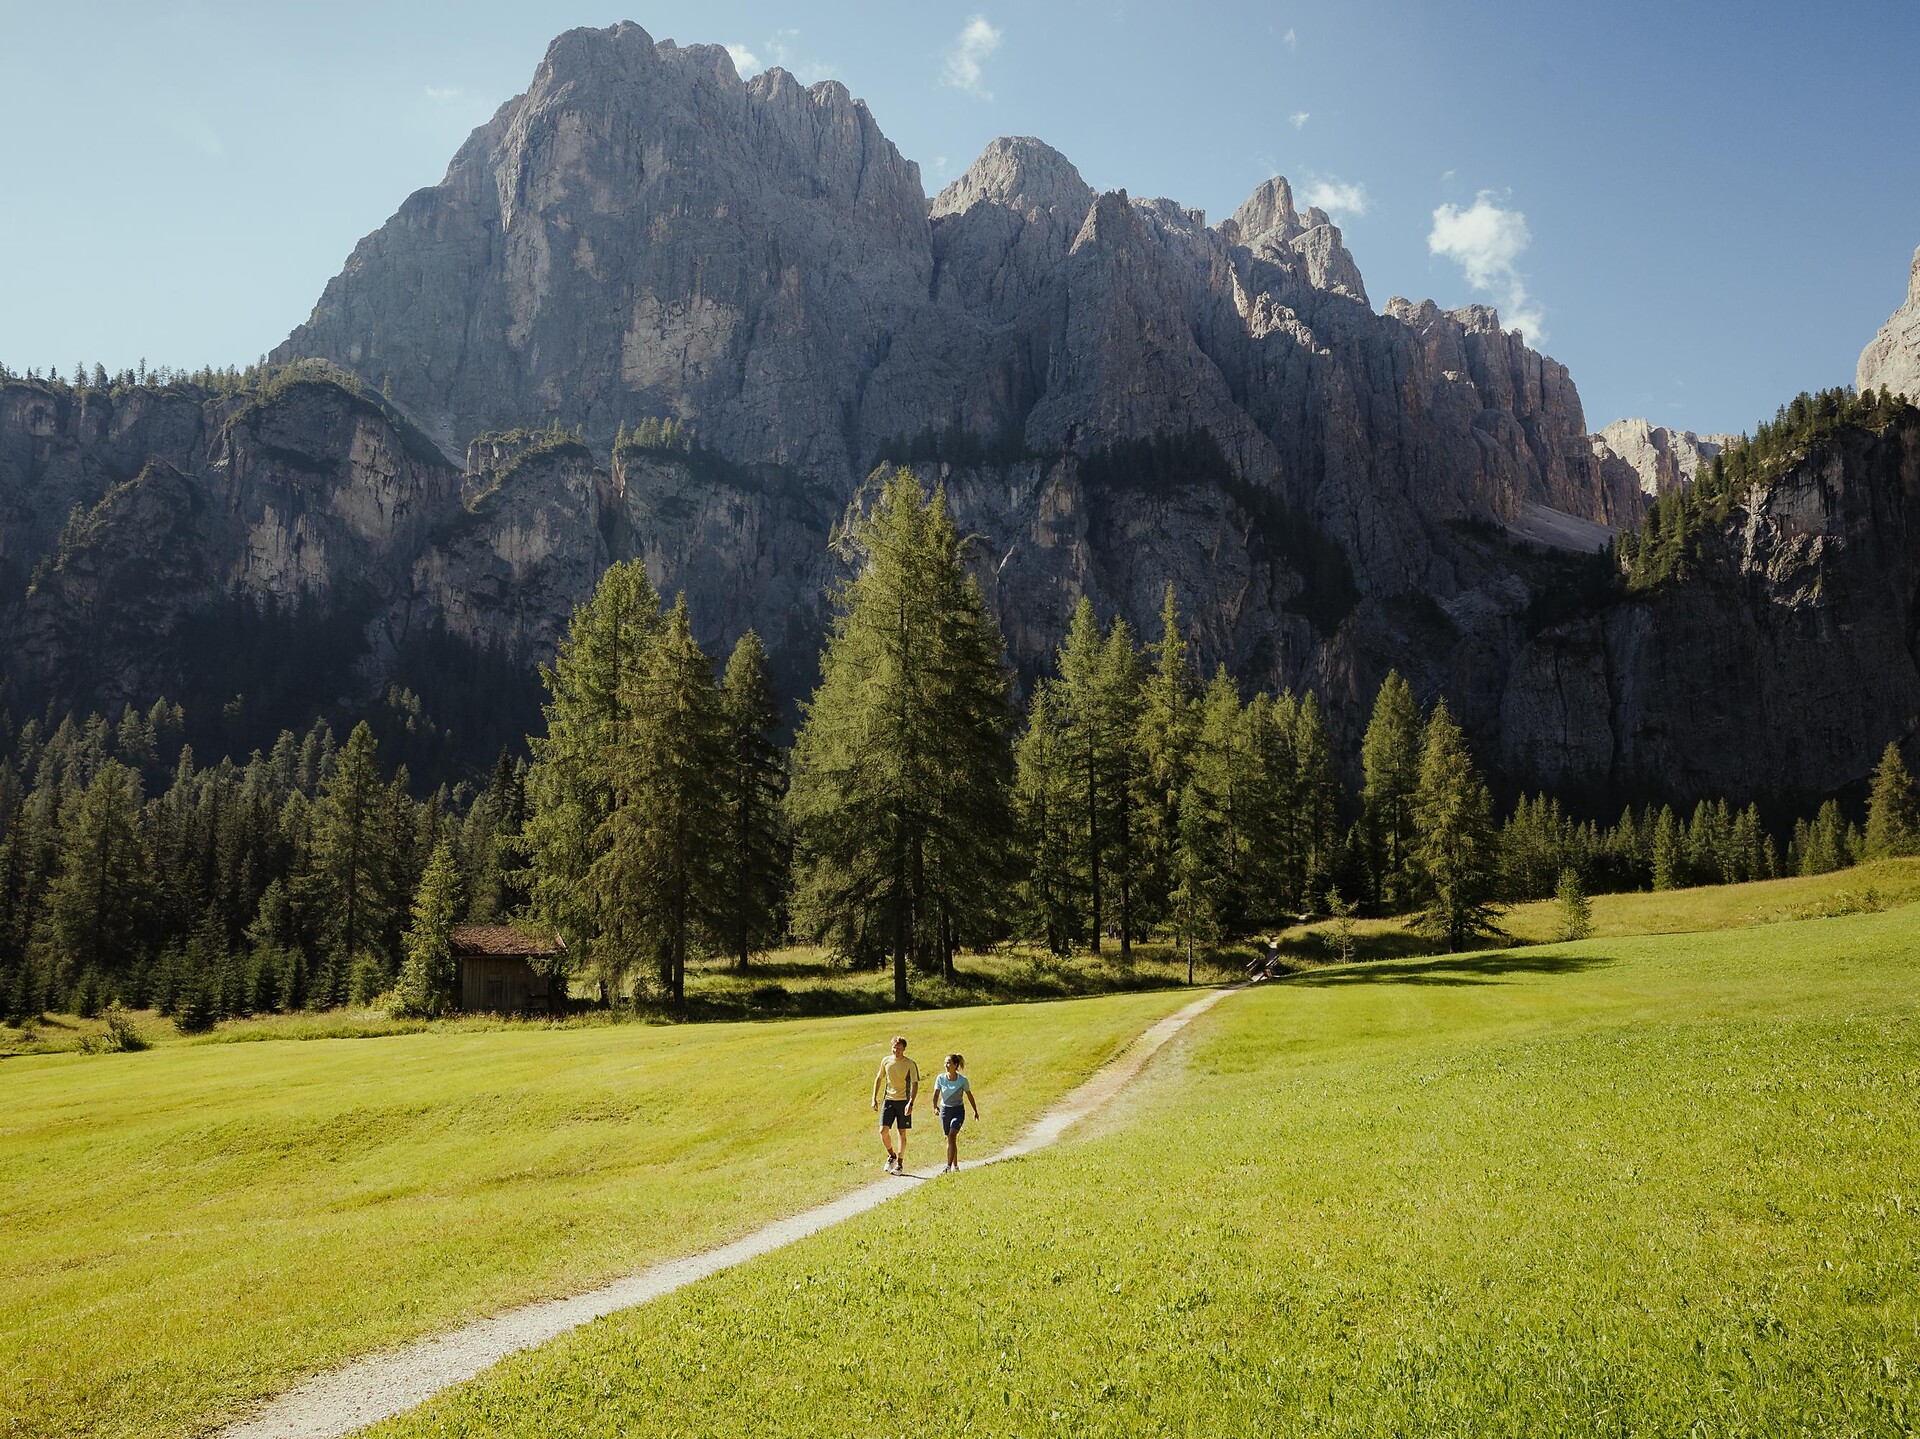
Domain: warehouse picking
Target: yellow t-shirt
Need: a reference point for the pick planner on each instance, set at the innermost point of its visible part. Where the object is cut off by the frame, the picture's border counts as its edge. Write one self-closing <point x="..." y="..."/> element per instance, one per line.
<point x="900" y="1075"/>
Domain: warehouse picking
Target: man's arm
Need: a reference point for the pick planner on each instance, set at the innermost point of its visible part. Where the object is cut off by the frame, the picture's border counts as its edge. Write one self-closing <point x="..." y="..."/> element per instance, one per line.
<point x="879" y="1078"/>
<point x="913" y="1087"/>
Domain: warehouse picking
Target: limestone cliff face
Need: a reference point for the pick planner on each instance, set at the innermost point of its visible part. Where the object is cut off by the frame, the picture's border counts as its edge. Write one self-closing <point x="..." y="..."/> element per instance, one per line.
<point x="1652" y="457"/>
<point x="1892" y="358"/>
<point x="642" y="233"/>
<point x="1783" y="666"/>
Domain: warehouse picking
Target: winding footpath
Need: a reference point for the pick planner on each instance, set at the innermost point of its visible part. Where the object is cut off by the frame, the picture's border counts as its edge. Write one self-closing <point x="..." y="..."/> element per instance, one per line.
<point x="377" y="1388"/>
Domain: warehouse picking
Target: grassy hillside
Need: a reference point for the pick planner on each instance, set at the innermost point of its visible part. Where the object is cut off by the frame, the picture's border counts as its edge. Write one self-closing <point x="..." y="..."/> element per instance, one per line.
<point x="1865" y="888"/>
<point x="1661" y="1185"/>
<point x="188" y="1229"/>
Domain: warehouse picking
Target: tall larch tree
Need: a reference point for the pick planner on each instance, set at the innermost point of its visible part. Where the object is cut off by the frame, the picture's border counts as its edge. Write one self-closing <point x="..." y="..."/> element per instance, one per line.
<point x="1165" y="736"/>
<point x="655" y="884"/>
<point x="1456" y="845"/>
<point x="752" y="783"/>
<point x="569" y="786"/>
<point x="901" y="767"/>
<point x="1044" y="812"/>
<point x="354" y="861"/>
<point x="1390" y="764"/>
<point x="1893" y="827"/>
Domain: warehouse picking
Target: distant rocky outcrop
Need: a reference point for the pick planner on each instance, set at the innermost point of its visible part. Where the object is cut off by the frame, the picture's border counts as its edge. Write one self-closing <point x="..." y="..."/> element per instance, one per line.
<point x="1652" y="456"/>
<point x="1782" y="665"/>
<point x="644" y="234"/>
<point x="1891" y="359"/>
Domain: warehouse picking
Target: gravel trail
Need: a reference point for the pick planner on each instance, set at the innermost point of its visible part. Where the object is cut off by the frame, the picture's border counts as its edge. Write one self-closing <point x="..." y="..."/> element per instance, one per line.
<point x="384" y="1385"/>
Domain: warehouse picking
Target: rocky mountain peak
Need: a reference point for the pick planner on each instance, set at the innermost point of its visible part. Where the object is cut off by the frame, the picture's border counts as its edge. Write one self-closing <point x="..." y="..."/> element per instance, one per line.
<point x="1892" y="358"/>
<point x="1267" y="213"/>
<point x="1659" y="459"/>
<point x="1022" y="174"/>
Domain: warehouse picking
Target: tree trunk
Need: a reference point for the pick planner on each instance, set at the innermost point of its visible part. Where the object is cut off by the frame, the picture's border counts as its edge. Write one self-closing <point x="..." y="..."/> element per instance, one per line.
<point x="1189" y="960"/>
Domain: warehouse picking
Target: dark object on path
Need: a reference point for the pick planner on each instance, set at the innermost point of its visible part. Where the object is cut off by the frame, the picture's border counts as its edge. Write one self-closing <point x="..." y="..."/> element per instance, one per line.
<point x="500" y="969"/>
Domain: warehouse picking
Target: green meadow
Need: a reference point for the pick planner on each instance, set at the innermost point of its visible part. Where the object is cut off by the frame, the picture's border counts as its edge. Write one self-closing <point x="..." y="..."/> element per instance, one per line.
<point x="1635" y="1185"/>
<point x="189" y="1229"/>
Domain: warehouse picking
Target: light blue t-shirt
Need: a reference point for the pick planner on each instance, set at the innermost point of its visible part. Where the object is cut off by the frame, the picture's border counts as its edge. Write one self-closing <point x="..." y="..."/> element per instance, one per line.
<point x="950" y="1090"/>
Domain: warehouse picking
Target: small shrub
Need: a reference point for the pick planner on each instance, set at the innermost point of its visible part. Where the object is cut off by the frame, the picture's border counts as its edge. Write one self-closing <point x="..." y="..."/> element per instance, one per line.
<point x="1575" y="920"/>
<point x="367" y="980"/>
<point x="1342" y="911"/>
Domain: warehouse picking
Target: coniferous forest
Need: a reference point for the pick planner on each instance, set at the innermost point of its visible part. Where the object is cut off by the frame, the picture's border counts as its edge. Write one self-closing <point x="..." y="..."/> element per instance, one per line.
<point x="919" y="809"/>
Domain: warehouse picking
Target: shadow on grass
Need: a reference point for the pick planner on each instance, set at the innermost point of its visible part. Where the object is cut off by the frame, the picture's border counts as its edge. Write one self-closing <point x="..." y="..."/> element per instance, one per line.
<point x="1451" y="969"/>
<point x="821" y="993"/>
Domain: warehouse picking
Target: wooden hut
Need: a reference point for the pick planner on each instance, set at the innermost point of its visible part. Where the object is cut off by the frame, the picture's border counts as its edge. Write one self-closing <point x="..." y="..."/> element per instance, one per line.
<point x="497" y="969"/>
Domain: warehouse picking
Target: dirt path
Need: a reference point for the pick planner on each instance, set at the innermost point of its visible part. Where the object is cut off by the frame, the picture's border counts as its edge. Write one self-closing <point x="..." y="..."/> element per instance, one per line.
<point x="380" y="1387"/>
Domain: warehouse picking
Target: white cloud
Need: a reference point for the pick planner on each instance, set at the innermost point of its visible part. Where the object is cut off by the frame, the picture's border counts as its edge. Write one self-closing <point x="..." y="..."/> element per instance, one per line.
<point x="1337" y="197"/>
<point x="1290" y="40"/>
<point x="444" y="94"/>
<point x="1488" y="242"/>
<point x="975" y="43"/>
<point x="1299" y="118"/>
<point x="744" y="60"/>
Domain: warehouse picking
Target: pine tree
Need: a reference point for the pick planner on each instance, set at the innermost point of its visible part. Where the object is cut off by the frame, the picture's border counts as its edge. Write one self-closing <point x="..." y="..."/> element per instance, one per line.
<point x="1575" y="912"/>
<point x="655" y="883"/>
<point x="899" y="799"/>
<point x="1669" y="851"/>
<point x="1893" y="827"/>
<point x="1166" y="734"/>
<point x="1191" y="909"/>
<point x="354" y="862"/>
<point x="427" y="977"/>
<point x="569" y="786"/>
<point x="1118" y="696"/>
<point x="1390" y="762"/>
<point x="1455" y="846"/>
<point x="1224" y="785"/>
<point x="753" y="782"/>
<point x="95" y="901"/>
<point x="1317" y="794"/>
<point x="1044" y="812"/>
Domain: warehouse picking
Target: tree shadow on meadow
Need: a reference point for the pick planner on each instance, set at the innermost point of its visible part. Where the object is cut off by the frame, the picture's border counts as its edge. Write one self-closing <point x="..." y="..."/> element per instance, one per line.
<point x="1452" y="969"/>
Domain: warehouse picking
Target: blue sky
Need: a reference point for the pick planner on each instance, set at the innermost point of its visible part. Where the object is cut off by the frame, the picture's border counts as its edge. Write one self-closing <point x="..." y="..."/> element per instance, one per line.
<point x="1702" y="208"/>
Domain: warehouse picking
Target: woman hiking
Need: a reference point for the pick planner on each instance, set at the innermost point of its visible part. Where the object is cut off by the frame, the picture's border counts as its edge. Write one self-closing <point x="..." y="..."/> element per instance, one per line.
<point x="954" y="1093"/>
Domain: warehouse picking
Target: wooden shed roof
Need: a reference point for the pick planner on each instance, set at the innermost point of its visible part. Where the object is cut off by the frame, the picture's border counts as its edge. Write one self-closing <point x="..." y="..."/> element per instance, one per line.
<point x="502" y="940"/>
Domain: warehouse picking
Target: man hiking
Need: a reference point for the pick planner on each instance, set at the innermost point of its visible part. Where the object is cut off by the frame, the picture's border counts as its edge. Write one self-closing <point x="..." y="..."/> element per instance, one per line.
<point x="899" y="1082"/>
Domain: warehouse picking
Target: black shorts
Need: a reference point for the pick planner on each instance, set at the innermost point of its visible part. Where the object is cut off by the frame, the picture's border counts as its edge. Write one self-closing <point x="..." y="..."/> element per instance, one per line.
<point x="894" y="1112"/>
<point x="952" y="1117"/>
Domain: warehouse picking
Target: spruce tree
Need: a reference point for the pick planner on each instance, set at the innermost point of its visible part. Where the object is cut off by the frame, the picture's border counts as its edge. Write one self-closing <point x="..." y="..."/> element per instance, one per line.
<point x="753" y="782"/>
<point x="354" y="863"/>
<point x="1044" y="813"/>
<point x="1122" y="697"/>
<point x="1317" y="795"/>
<point x="1455" y="847"/>
<point x="1167" y="732"/>
<point x="569" y="785"/>
<point x="1892" y="823"/>
<point x="1099" y="711"/>
<point x="1192" y="908"/>
<point x="1668" y="851"/>
<point x="97" y="895"/>
<point x="1223" y="788"/>
<point x="899" y="798"/>
<point x="426" y="983"/>
<point x="1575" y="920"/>
<point x="1390" y="762"/>
<point x="655" y="883"/>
